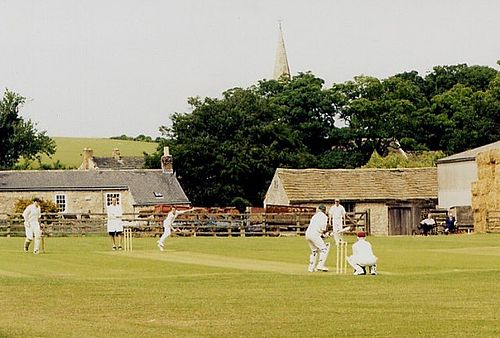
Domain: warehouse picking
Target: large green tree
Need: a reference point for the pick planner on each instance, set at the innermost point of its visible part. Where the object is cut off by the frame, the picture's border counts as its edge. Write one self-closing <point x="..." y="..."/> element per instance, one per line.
<point x="452" y="109"/>
<point x="19" y="137"/>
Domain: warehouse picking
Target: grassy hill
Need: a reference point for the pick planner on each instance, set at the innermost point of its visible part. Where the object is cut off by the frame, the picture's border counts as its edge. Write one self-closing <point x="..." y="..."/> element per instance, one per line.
<point x="69" y="149"/>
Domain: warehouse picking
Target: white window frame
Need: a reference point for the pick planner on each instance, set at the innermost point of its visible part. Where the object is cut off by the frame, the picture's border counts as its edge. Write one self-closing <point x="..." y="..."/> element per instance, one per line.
<point x="110" y="196"/>
<point x="64" y="202"/>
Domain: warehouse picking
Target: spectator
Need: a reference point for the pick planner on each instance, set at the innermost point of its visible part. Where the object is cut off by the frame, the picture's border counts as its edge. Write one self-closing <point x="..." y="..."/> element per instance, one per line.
<point x="427" y="225"/>
<point x="450" y="224"/>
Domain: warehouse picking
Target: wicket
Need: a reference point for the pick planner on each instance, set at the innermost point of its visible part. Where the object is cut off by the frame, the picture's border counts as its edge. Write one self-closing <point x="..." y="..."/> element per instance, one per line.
<point x="127" y="239"/>
<point x="341" y="266"/>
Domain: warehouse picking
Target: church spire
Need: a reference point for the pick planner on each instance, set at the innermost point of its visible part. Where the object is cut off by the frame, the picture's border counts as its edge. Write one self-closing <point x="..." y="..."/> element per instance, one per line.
<point x="281" y="65"/>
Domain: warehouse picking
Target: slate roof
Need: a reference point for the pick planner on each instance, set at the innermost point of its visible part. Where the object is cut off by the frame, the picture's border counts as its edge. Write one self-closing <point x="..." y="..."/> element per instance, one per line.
<point x="306" y="185"/>
<point x="126" y="162"/>
<point x="141" y="183"/>
<point x="468" y="155"/>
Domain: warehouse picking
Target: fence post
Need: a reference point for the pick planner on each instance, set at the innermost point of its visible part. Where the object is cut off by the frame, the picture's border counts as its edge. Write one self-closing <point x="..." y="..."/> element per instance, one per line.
<point x="244" y="221"/>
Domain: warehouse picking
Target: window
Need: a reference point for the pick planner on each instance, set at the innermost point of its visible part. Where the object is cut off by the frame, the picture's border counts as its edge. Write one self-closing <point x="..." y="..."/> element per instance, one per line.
<point x="61" y="202"/>
<point x="158" y="194"/>
<point x="349" y="206"/>
<point x="110" y="196"/>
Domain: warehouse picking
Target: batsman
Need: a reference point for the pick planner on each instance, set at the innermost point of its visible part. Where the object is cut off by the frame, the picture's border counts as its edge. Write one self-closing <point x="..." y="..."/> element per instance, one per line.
<point x="31" y="216"/>
<point x="314" y="233"/>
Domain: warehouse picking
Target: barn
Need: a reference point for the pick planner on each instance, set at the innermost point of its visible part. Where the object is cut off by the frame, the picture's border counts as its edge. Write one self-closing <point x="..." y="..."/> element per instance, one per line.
<point x="394" y="198"/>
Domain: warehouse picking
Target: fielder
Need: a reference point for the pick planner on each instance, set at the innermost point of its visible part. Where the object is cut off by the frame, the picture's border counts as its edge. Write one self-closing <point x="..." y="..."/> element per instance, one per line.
<point x="362" y="256"/>
<point x="336" y="217"/>
<point x="168" y="225"/>
<point x="115" y="224"/>
<point x="31" y="216"/>
<point x="314" y="233"/>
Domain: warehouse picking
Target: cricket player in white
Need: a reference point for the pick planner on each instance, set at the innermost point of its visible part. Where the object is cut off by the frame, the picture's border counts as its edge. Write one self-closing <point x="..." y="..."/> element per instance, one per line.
<point x="31" y="216"/>
<point x="168" y="225"/>
<point x="314" y="233"/>
<point x="362" y="256"/>
<point x="115" y="224"/>
<point x="336" y="216"/>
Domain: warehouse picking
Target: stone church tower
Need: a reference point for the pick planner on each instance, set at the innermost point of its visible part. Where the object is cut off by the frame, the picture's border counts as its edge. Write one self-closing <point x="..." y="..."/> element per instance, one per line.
<point x="281" y="66"/>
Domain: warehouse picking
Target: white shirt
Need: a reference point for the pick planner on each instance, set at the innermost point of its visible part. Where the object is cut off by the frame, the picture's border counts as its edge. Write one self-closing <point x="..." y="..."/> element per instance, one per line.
<point x="169" y="220"/>
<point x="115" y="212"/>
<point x="429" y="221"/>
<point x="336" y="212"/>
<point x="362" y="250"/>
<point x="32" y="214"/>
<point x="317" y="224"/>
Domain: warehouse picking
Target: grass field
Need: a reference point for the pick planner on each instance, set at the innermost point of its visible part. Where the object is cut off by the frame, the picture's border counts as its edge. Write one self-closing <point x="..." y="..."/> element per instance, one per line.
<point x="437" y="286"/>
<point x="69" y="149"/>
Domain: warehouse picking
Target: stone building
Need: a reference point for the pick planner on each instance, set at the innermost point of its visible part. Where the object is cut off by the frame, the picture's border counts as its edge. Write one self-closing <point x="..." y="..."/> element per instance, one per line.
<point x="90" y="189"/>
<point x="395" y="198"/>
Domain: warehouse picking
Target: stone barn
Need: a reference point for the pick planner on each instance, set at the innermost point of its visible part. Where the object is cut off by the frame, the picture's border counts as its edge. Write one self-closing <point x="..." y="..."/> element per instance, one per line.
<point x="394" y="198"/>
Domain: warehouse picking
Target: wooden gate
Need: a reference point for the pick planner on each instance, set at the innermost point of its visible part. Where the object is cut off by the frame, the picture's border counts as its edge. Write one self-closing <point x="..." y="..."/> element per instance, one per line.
<point x="400" y="221"/>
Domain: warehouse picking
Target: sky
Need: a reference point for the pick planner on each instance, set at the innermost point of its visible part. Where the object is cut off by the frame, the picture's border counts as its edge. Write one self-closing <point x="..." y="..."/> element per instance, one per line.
<point x="102" y="68"/>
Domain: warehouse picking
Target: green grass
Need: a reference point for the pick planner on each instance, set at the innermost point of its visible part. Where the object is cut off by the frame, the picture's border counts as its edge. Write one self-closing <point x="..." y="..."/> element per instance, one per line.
<point x="438" y="286"/>
<point x="69" y="149"/>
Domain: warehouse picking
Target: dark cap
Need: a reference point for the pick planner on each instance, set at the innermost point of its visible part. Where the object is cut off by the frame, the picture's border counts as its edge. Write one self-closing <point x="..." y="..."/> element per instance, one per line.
<point x="322" y="207"/>
<point x="361" y="234"/>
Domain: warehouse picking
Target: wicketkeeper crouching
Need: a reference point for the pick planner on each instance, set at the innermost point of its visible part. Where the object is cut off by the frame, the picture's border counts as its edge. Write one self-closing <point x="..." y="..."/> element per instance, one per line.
<point x="362" y="256"/>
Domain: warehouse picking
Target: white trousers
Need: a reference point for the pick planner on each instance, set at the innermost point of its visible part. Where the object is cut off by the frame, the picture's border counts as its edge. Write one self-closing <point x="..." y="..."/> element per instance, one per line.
<point x="360" y="260"/>
<point x="32" y="230"/>
<point x="166" y="233"/>
<point x="318" y="248"/>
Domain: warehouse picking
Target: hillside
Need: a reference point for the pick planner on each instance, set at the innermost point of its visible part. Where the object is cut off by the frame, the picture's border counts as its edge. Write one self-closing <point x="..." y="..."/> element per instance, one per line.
<point x="69" y="149"/>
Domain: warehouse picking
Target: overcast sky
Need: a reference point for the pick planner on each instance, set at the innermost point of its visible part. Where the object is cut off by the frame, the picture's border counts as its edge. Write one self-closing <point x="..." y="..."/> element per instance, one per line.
<point x="105" y="68"/>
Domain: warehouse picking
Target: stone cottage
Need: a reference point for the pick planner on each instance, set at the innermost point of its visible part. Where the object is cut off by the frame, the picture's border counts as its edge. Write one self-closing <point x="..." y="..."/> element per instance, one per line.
<point x="89" y="190"/>
<point x="395" y="198"/>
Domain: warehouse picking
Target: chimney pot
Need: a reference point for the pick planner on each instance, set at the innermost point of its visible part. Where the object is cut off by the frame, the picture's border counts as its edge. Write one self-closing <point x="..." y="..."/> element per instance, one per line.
<point x="116" y="154"/>
<point x="167" y="162"/>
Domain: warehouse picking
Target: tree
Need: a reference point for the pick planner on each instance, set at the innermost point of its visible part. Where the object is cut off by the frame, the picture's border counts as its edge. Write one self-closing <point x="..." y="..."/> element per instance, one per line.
<point x="226" y="150"/>
<point x="17" y="136"/>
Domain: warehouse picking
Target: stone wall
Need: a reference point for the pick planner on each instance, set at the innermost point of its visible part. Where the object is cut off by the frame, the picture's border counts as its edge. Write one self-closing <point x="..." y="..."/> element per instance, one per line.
<point x="76" y="201"/>
<point x="276" y="194"/>
<point x="379" y="217"/>
<point x="486" y="190"/>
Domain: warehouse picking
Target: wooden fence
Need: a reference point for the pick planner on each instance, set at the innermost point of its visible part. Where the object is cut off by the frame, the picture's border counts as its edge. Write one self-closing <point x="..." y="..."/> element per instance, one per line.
<point x="193" y="224"/>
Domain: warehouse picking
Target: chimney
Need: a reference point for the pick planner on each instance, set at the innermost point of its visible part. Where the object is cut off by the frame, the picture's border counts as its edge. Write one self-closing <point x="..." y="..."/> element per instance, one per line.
<point x="167" y="162"/>
<point x="116" y="154"/>
<point x="87" y="161"/>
